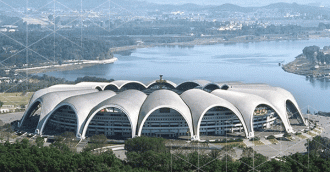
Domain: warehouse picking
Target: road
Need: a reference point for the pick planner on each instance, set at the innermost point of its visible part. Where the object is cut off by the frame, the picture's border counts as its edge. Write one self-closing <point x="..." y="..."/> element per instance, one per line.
<point x="10" y="117"/>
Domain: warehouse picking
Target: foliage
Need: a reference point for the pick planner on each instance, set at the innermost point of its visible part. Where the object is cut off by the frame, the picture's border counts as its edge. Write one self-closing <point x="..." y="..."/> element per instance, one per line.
<point x="40" y="141"/>
<point x="99" y="139"/>
<point x="39" y="82"/>
<point x="21" y="156"/>
<point x="287" y="135"/>
<point x="251" y="159"/>
<point x="35" y="83"/>
<point x="64" y="49"/>
<point x="151" y="154"/>
<point x="319" y="146"/>
<point x="148" y="152"/>
<point x="6" y="131"/>
<point x="255" y="139"/>
<point x="271" y="137"/>
<point x="316" y="55"/>
<point x="96" y="141"/>
<point x="92" y="79"/>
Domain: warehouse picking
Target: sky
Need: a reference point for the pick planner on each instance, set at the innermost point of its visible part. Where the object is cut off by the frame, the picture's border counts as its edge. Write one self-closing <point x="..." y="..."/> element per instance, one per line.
<point x="239" y="2"/>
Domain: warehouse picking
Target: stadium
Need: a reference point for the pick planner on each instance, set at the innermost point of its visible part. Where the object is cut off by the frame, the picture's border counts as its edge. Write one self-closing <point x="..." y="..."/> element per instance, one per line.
<point x="126" y="109"/>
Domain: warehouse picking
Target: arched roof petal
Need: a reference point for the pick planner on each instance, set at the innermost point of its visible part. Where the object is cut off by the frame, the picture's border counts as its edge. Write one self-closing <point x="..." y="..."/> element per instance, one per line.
<point x="245" y="103"/>
<point x="200" y="83"/>
<point x="122" y="83"/>
<point x="56" y="88"/>
<point x="210" y="85"/>
<point x="278" y="97"/>
<point x="163" y="99"/>
<point x="83" y="104"/>
<point x="200" y="102"/>
<point x="247" y="85"/>
<point x="167" y="81"/>
<point x="129" y="101"/>
<point x="93" y="84"/>
<point x="50" y="100"/>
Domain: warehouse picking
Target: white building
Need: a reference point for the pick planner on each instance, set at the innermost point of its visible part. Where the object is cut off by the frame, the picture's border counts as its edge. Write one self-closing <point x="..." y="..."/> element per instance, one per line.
<point x="125" y="109"/>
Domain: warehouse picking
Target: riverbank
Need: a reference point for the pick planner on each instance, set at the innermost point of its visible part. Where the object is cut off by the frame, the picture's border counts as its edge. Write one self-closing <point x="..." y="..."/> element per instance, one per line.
<point x="69" y="65"/>
<point x="204" y="40"/>
<point x="210" y="40"/>
<point x="302" y="66"/>
<point x="225" y="39"/>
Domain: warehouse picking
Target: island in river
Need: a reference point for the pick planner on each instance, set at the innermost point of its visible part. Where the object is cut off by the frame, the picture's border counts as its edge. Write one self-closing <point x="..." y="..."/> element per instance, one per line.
<point x="313" y="62"/>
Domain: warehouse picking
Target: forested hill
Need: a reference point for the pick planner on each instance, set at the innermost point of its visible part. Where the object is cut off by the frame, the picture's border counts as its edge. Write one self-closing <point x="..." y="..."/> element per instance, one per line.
<point x="44" y="48"/>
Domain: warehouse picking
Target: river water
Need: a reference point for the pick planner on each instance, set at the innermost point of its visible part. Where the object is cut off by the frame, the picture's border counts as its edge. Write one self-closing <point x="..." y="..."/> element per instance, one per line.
<point x="255" y="62"/>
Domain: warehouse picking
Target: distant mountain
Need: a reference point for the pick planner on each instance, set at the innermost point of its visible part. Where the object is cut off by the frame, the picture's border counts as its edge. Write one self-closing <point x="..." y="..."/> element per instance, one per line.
<point x="130" y="6"/>
<point x="233" y="8"/>
<point x="294" y="7"/>
<point x="308" y="9"/>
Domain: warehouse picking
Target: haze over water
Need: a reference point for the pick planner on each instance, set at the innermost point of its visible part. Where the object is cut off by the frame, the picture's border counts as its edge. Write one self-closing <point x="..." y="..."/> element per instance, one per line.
<point x="255" y="62"/>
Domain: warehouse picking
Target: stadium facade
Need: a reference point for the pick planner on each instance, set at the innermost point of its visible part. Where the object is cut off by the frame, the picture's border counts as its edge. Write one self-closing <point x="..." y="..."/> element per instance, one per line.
<point x="126" y="109"/>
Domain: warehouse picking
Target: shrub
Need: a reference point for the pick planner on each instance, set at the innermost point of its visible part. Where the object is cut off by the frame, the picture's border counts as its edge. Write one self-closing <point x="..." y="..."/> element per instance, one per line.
<point x="271" y="137"/>
<point x="255" y="139"/>
<point x="287" y="135"/>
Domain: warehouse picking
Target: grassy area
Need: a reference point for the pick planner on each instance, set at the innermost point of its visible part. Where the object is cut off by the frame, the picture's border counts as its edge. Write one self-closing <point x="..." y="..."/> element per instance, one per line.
<point x="16" y="99"/>
<point x="257" y="143"/>
<point x="317" y="130"/>
<point x="312" y="134"/>
<point x="273" y="141"/>
<point x="302" y="136"/>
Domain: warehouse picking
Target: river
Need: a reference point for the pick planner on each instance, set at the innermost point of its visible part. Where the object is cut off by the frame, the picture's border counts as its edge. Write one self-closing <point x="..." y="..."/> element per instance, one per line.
<point x="255" y="62"/>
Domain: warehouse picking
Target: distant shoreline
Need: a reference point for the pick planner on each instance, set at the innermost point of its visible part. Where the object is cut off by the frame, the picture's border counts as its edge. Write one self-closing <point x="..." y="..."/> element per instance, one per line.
<point x="74" y="65"/>
<point x="69" y="65"/>
<point x="218" y="40"/>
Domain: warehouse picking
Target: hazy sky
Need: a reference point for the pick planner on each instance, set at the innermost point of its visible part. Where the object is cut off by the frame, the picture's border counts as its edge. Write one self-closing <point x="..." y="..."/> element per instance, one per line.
<point x="238" y="2"/>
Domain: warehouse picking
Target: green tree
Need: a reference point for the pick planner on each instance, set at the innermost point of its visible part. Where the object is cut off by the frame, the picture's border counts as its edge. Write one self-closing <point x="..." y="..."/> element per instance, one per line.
<point x="148" y="152"/>
<point x="319" y="146"/>
<point x="40" y="141"/>
<point x="96" y="141"/>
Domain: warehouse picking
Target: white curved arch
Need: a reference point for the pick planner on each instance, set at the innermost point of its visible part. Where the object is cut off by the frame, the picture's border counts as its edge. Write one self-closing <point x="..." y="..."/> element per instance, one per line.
<point x="48" y="102"/>
<point x="159" y="107"/>
<point x="54" y="110"/>
<point x="187" y="82"/>
<point x="129" y="101"/>
<point x="111" y="84"/>
<point x="167" y="81"/>
<point x="236" y="112"/>
<point x="246" y="104"/>
<point x="209" y="84"/>
<point x="29" y="110"/>
<point x="200" y="102"/>
<point x="121" y="83"/>
<point x="84" y="104"/>
<point x="51" y="100"/>
<point x="278" y="97"/>
<point x="58" y="88"/>
<point x="163" y="99"/>
<point x="93" y="85"/>
<point x="85" y="127"/>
